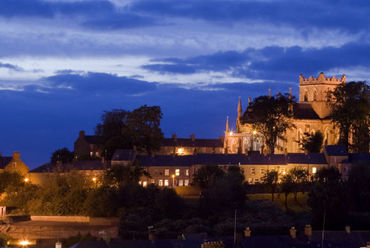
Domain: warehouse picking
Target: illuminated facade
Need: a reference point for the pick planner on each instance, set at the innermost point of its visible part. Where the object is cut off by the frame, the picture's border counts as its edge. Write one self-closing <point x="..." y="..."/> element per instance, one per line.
<point x="309" y="114"/>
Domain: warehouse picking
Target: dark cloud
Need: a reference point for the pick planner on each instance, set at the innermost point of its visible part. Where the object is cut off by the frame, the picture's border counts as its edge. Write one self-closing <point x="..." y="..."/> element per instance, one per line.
<point x="10" y="67"/>
<point x="347" y="15"/>
<point x="98" y="83"/>
<point x="271" y="63"/>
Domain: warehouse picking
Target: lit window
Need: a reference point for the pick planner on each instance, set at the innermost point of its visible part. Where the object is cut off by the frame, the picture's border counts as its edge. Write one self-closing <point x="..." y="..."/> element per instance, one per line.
<point x="186" y="182"/>
<point x="180" y="151"/>
<point x="145" y="184"/>
<point x="166" y="182"/>
<point x="152" y="181"/>
<point x="250" y="180"/>
<point x="177" y="172"/>
<point x="181" y="182"/>
<point x="314" y="170"/>
<point x="167" y="172"/>
<point x="187" y="172"/>
<point x="283" y="171"/>
<point x="262" y="171"/>
<point x="160" y="182"/>
<point x="91" y="154"/>
<point x="97" y="154"/>
<point x="140" y="182"/>
<point x="253" y="170"/>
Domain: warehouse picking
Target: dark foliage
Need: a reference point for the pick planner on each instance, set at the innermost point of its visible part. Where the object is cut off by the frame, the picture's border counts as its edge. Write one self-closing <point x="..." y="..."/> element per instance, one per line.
<point x="62" y="155"/>
<point x="312" y="143"/>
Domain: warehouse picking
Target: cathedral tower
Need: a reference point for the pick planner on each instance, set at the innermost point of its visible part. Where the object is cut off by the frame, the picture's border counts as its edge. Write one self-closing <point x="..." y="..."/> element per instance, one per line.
<point x="314" y="91"/>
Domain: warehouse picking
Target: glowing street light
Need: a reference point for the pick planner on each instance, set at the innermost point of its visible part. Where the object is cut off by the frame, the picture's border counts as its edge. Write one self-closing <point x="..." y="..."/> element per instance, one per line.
<point x="173" y="180"/>
<point x="26" y="180"/>
<point x="94" y="179"/>
<point x="24" y="243"/>
<point x="254" y="132"/>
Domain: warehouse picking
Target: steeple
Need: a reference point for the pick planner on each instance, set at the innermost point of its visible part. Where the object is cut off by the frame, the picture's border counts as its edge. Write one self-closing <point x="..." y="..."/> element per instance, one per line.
<point x="239" y="108"/>
<point x="227" y="124"/>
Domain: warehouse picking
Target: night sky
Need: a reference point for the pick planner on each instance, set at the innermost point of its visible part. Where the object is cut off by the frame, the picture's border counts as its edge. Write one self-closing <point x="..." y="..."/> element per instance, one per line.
<point x="62" y="63"/>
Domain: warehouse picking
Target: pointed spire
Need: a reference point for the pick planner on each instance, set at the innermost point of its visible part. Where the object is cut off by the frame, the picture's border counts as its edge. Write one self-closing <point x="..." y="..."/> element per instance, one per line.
<point x="249" y="101"/>
<point x="227" y="124"/>
<point x="240" y="112"/>
<point x="269" y="92"/>
<point x="290" y="93"/>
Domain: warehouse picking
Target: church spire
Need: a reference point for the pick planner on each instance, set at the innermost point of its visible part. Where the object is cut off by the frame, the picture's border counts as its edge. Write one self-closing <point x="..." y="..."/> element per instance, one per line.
<point x="227" y="124"/>
<point x="240" y="108"/>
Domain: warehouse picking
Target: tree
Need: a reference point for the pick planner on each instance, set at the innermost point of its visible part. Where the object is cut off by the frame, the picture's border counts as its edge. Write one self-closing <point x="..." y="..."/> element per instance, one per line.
<point x="139" y="129"/>
<point x="118" y="175"/>
<point x="62" y="155"/>
<point x="299" y="179"/>
<point x="270" y="117"/>
<point x="359" y="186"/>
<point x="144" y="124"/>
<point x="312" y="143"/>
<point x="287" y="186"/>
<point x="328" y="199"/>
<point x="207" y="175"/>
<point x="351" y="113"/>
<point x="270" y="179"/>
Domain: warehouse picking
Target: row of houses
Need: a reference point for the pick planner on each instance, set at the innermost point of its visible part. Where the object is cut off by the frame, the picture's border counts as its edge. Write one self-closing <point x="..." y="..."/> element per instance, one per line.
<point x="178" y="171"/>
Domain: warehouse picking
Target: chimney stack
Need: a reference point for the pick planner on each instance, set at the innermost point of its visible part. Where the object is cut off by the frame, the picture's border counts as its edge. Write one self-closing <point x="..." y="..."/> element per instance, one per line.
<point x="347" y="229"/>
<point x="16" y="155"/>
<point x="308" y="230"/>
<point x="0" y="155"/>
<point x="247" y="232"/>
<point x="192" y="137"/>
<point x="293" y="232"/>
<point x="82" y="133"/>
<point x="174" y="137"/>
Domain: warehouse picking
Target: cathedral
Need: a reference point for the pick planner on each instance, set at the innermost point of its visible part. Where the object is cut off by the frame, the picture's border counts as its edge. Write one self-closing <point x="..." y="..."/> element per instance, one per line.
<point x="309" y="114"/>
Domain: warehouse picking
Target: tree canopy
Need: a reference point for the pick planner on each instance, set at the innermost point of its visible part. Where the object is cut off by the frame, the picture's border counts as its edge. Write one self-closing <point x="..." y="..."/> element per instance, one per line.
<point x="62" y="155"/>
<point x="270" y="117"/>
<point x="139" y="129"/>
<point x="312" y="142"/>
<point x="351" y="113"/>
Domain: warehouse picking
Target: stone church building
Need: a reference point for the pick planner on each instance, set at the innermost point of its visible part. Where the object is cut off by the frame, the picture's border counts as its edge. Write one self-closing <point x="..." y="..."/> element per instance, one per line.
<point x="309" y="114"/>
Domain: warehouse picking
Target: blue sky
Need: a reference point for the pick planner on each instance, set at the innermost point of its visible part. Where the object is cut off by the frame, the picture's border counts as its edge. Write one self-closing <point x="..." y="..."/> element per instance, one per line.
<point x="63" y="62"/>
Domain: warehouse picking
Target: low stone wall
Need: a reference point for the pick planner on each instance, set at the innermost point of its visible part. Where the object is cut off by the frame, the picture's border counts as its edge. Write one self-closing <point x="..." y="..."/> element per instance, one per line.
<point x="78" y="219"/>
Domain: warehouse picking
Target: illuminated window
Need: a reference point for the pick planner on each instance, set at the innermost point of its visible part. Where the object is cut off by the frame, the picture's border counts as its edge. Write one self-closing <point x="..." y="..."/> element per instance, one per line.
<point x="140" y="182"/>
<point x="177" y="172"/>
<point x="166" y="182"/>
<point x="314" y="170"/>
<point x="187" y="172"/>
<point x="283" y="171"/>
<point x="250" y="180"/>
<point x="160" y="182"/>
<point x="91" y="154"/>
<point x="152" y="181"/>
<point x="180" y="151"/>
<point x="145" y="184"/>
<point x="167" y="172"/>
<point x="262" y="170"/>
<point x="186" y="182"/>
<point x="253" y="170"/>
<point x="181" y="182"/>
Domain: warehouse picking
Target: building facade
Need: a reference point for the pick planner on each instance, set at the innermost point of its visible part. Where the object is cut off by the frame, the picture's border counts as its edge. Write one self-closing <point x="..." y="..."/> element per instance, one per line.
<point x="309" y="114"/>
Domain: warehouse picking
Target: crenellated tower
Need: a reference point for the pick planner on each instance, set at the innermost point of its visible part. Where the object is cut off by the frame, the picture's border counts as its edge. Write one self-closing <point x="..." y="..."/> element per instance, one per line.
<point x="314" y="91"/>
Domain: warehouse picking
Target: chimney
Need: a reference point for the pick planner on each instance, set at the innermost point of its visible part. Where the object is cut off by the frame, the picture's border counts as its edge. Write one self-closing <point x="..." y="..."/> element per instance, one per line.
<point x="192" y="137"/>
<point x="16" y="155"/>
<point x="222" y="138"/>
<point x="247" y="232"/>
<point x="0" y="155"/>
<point x="174" y="137"/>
<point x="293" y="232"/>
<point x="347" y="229"/>
<point x="82" y="133"/>
<point x="308" y="230"/>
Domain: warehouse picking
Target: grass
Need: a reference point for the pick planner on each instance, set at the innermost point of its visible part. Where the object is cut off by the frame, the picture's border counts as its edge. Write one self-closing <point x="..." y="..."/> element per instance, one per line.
<point x="297" y="206"/>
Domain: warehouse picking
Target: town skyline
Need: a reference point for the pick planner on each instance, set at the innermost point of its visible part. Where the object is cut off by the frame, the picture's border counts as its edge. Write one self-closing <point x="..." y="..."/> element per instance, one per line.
<point x="63" y="63"/>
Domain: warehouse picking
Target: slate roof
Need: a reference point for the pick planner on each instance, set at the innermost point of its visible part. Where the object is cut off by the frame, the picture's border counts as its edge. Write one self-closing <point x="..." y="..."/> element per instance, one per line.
<point x="124" y="155"/>
<point x="192" y="143"/>
<point x="336" y="150"/>
<point x="4" y="161"/>
<point x="359" y="158"/>
<point x="301" y="158"/>
<point x="79" y="165"/>
<point x="230" y="159"/>
<point x="300" y="111"/>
